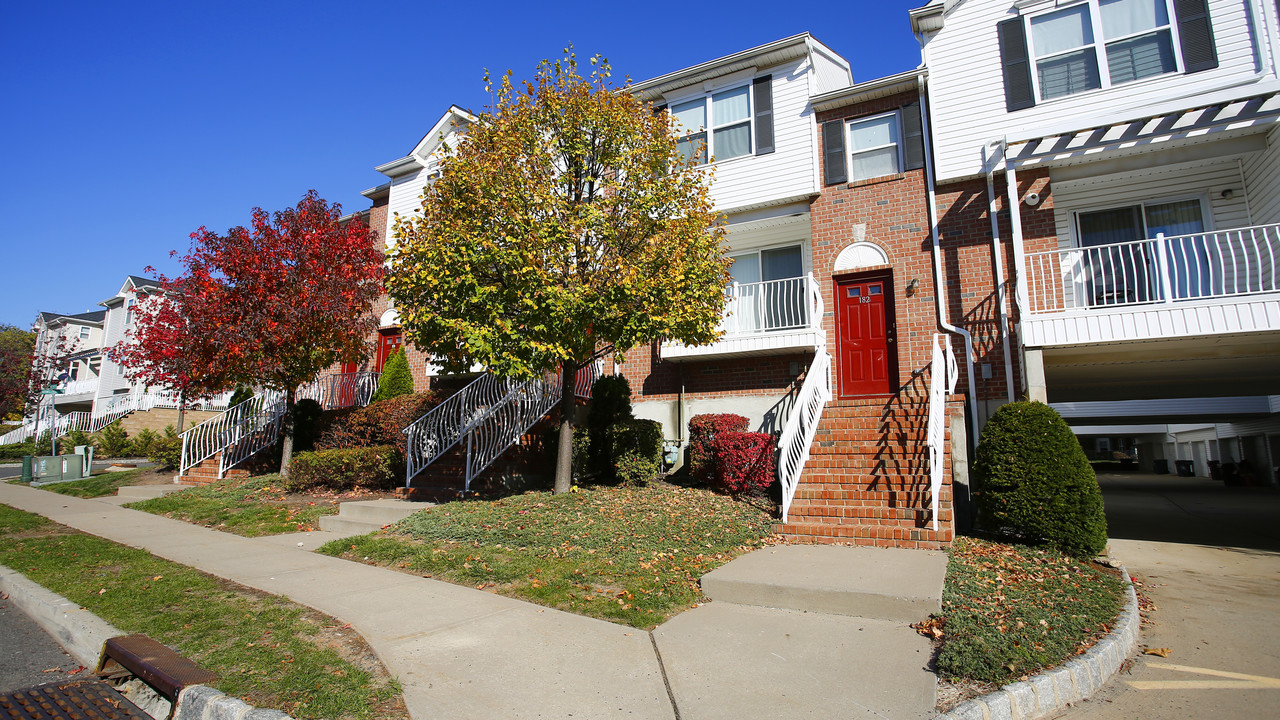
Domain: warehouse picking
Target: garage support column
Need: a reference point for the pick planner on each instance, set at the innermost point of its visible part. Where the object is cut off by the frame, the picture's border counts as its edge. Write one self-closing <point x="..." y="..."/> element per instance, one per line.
<point x="1033" y="359"/>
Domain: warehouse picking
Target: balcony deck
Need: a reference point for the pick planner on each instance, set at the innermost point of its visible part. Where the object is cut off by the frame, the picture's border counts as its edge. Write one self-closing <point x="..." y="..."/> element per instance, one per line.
<point x="774" y="317"/>
<point x="1213" y="283"/>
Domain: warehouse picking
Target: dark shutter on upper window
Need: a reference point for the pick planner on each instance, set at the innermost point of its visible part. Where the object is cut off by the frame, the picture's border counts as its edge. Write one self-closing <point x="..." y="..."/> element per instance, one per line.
<point x="1196" y="35"/>
<point x="912" y="138"/>
<point x="1015" y="64"/>
<point x="833" y="152"/>
<point x="762" y="92"/>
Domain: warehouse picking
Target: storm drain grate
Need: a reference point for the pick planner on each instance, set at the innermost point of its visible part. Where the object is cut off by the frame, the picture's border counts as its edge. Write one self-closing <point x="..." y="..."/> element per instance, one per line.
<point x="76" y="700"/>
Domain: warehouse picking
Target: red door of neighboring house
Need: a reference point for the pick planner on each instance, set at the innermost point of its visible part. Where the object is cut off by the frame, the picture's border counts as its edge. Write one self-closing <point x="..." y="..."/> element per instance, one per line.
<point x="388" y="343"/>
<point x="347" y="385"/>
<point x="868" y="359"/>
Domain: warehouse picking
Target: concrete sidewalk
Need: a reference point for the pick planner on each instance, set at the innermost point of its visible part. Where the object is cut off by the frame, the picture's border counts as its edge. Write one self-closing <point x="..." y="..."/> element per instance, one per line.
<point x="464" y="653"/>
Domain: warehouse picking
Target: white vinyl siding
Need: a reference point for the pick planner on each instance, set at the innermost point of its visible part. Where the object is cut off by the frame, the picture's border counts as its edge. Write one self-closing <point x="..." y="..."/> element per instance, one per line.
<point x="789" y="170"/>
<point x="113" y="326"/>
<point x="966" y="86"/>
<point x="404" y="199"/>
<point x="1262" y="181"/>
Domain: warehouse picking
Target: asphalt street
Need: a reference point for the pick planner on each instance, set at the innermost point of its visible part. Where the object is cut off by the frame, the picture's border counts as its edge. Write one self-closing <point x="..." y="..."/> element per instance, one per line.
<point x="28" y="655"/>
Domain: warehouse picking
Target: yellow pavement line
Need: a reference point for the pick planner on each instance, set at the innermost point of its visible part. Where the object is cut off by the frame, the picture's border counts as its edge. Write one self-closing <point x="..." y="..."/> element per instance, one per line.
<point x="1237" y="681"/>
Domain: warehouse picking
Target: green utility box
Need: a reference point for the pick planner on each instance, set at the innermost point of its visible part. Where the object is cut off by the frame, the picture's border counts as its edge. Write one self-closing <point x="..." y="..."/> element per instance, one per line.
<point x="57" y="468"/>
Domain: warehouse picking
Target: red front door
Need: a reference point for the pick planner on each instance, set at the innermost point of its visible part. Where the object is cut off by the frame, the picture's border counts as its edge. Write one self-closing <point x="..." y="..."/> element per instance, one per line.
<point x="347" y="385"/>
<point x="868" y="362"/>
<point x="387" y="346"/>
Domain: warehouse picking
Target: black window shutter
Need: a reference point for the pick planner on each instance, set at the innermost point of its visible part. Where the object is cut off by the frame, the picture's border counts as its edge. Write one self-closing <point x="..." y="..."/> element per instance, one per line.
<point x="762" y="91"/>
<point x="912" y="138"/>
<point x="1196" y="35"/>
<point x="1015" y="64"/>
<point x="833" y="152"/>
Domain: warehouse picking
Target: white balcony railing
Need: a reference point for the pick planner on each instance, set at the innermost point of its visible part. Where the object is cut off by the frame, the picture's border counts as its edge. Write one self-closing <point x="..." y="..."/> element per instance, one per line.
<point x="80" y="387"/>
<point x="1198" y="266"/>
<point x="761" y="318"/>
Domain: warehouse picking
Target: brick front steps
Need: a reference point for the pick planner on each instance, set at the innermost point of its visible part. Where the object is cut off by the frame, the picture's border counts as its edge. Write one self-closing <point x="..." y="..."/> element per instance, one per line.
<point x="867" y="479"/>
<point x="207" y="472"/>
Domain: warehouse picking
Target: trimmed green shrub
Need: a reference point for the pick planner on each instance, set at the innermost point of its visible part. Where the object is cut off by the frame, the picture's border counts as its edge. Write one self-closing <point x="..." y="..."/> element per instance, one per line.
<point x="241" y="394"/>
<point x="113" y="441"/>
<point x="14" y="451"/>
<point x="1033" y="483"/>
<point x="635" y="447"/>
<point x="306" y="424"/>
<point x="142" y="442"/>
<point x="581" y="450"/>
<point x="166" y="450"/>
<point x="379" y="423"/>
<point x="369" y="468"/>
<point x="67" y="443"/>
<point x="702" y="432"/>
<point x="396" y="380"/>
<point x="745" y="462"/>
<point x="610" y="405"/>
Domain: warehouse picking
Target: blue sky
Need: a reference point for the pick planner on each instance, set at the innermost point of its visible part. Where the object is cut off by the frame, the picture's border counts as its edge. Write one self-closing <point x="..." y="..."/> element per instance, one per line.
<point x="128" y="125"/>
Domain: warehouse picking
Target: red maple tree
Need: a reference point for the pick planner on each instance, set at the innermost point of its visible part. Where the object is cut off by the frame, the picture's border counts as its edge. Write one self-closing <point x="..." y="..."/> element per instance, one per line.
<point x="173" y="345"/>
<point x="285" y="299"/>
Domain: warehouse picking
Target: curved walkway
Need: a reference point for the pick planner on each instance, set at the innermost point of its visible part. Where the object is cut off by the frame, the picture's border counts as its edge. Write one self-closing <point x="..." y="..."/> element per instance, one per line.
<point x="463" y="653"/>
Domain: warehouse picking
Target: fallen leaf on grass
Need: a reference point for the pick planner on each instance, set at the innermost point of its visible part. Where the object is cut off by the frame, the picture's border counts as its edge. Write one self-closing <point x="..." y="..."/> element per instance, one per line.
<point x="1162" y="652"/>
<point x="931" y="628"/>
<point x="103" y="590"/>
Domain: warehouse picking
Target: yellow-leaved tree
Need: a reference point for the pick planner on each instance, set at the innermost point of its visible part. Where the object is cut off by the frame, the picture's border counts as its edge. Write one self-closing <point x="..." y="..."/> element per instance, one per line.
<point x="566" y="221"/>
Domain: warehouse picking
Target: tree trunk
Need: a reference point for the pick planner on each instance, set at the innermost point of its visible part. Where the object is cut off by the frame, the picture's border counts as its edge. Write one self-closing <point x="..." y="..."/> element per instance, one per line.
<point x="182" y="408"/>
<point x="568" y="407"/>
<point x="286" y="433"/>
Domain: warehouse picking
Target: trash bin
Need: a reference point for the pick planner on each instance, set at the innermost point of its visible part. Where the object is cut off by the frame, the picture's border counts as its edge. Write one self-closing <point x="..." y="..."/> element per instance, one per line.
<point x="1215" y="470"/>
<point x="26" y="468"/>
<point x="1186" y="468"/>
<point x="1160" y="466"/>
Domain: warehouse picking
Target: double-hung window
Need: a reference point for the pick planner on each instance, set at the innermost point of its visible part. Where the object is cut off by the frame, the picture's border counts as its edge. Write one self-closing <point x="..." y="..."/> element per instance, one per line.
<point x="727" y="124"/>
<point x="1136" y="43"/>
<point x="84" y="332"/>
<point x="1097" y="44"/>
<point x="874" y="147"/>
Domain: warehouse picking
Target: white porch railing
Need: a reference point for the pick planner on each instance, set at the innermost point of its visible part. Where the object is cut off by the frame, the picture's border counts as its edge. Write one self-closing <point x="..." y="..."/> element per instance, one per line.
<point x="945" y="372"/>
<point x="258" y="416"/>
<point x="80" y="387"/>
<point x="771" y="306"/>
<point x="1198" y="266"/>
<point x="797" y="434"/>
<point x="341" y="390"/>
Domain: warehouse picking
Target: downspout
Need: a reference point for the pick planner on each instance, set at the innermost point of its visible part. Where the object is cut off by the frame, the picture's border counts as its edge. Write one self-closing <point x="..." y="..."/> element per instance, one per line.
<point x="997" y="255"/>
<point x="939" y="279"/>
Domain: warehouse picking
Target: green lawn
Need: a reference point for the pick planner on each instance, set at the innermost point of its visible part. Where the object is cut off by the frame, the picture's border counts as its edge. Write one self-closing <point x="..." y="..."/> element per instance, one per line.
<point x="267" y="650"/>
<point x="1013" y="610"/>
<point x="628" y="555"/>
<point x="251" y="507"/>
<point x="100" y="485"/>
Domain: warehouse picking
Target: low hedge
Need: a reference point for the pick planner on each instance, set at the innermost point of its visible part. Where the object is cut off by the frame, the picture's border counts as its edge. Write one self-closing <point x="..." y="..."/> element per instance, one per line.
<point x="378" y="423"/>
<point x="366" y="468"/>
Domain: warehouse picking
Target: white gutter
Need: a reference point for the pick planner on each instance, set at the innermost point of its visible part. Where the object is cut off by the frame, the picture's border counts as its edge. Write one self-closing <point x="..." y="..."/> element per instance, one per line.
<point x="939" y="278"/>
<point x="997" y="258"/>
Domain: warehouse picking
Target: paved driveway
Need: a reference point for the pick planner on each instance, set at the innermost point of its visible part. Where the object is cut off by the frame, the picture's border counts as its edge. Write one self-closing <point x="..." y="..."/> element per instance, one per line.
<point x="1209" y="557"/>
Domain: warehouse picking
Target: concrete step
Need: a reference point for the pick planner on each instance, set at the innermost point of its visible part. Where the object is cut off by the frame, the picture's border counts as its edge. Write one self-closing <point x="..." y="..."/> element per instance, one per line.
<point x="147" y="492"/>
<point x="366" y="516"/>
<point x="879" y="583"/>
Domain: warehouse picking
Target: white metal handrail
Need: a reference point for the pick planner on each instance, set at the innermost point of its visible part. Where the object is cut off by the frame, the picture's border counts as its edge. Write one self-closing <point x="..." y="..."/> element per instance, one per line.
<point x="204" y="440"/>
<point x="341" y="390"/>
<point x="431" y="435"/>
<point x="772" y="306"/>
<point x="942" y="383"/>
<point x="1164" y="269"/>
<point x="802" y="425"/>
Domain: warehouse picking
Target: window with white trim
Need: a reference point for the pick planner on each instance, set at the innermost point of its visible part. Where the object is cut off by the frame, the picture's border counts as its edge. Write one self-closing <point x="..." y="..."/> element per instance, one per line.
<point x="728" y="123"/>
<point x="128" y="311"/>
<point x="1099" y="44"/>
<point x="875" y="147"/>
<point x="84" y="332"/>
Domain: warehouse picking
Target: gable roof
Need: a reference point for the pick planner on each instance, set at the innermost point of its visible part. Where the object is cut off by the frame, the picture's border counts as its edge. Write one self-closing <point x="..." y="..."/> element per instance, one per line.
<point x="88" y="318"/>
<point x="761" y="56"/>
<point x="453" y="120"/>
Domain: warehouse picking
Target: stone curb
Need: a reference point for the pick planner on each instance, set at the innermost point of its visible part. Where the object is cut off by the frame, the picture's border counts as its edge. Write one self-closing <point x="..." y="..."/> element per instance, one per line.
<point x="1071" y="682"/>
<point x="82" y="634"/>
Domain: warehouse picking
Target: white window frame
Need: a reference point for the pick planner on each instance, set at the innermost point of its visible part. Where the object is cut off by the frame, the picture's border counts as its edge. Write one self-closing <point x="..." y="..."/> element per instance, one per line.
<point x="710" y="129"/>
<point x="84" y="332"/>
<point x="128" y="311"/>
<point x="899" y="162"/>
<point x="1099" y="45"/>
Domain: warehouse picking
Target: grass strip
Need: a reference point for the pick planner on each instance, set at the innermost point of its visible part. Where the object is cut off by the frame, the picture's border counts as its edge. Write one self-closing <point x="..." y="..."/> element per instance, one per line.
<point x="1011" y="610"/>
<point x="624" y="554"/>
<point x="251" y="507"/>
<point x="267" y="650"/>
<point x="100" y="485"/>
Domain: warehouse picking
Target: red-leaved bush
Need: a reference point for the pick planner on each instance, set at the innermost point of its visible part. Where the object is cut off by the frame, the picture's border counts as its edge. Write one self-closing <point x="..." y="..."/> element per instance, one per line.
<point x="746" y="462"/>
<point x="703" y="430"/>
<point x="379" y="423"/>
